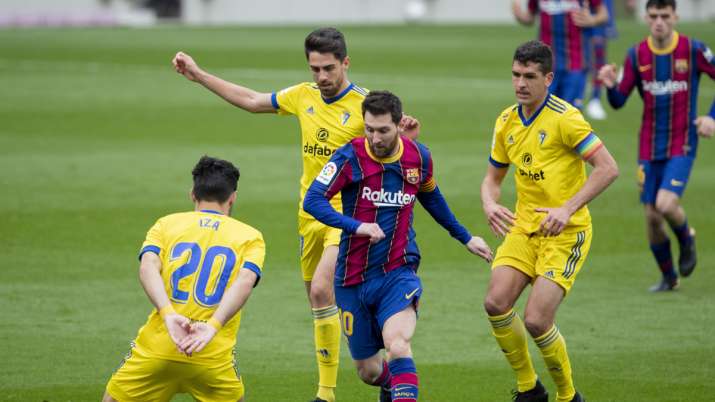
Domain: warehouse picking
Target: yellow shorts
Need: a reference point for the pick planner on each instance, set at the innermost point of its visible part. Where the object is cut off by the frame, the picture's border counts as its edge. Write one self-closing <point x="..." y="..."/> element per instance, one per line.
<point x="144" y="378"/>
<point x="314" y="238"/>
<point x="557" y="258"/>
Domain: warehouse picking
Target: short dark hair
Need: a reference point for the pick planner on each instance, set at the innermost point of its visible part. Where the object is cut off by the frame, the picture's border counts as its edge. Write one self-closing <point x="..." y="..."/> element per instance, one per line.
<point x="660" y="4"/>
<point x="214" y="179"/>
<point x="536" y="52"/>
<point x="383" y="102"/>
<point x="326" y="40"/>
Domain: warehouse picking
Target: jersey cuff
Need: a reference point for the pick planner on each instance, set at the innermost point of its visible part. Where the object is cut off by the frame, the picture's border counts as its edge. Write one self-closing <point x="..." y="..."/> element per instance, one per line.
<point x="253" y="267"/>
<point x="153" y="249"/>
<point x="274" y="101"/>
<point x="497" y="164"/>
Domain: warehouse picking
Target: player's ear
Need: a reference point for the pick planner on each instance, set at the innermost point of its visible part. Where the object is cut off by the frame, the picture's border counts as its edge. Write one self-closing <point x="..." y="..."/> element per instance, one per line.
<point x="192" y="197"/>
<point x="346" y="62"/>
<point x="232" y="197"/>
<point x="549" y="78"/>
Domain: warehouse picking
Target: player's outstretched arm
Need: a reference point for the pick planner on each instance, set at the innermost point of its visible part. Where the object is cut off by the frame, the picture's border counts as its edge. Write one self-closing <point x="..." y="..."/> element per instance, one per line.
<point x="410" y="127"/>
<point x="232" y="301"/>
<point x="524" y="17"/>
<point x="605" y="171"/>
<point x="150" y="277"/>
<point x="478" y="246"/>
<point x="245" y="98"/>
<point x="500" y="218"/>
<point x="584" y="19"/>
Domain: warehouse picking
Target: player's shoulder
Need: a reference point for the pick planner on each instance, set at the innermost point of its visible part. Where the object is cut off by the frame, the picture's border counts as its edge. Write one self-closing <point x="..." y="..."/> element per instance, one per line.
<point x="300" y="89"/>
<point x="243" y="229"/>
<point x="560" y="106"/>
<point x="359" y="91"/>
<point x="506" y="116"/>
<point x="175" y="217"/>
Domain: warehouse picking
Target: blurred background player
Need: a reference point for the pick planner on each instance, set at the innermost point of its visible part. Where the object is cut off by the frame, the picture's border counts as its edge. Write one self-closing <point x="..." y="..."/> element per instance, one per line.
<point x="666" y="69"/>
<point x="328" y="110"/>
<point x="561" y="26"/>
<point x="597" y="39"/>
<point x="377" y="289"/>
<point x="198" y="269"/>
<point x="549" y="237"/>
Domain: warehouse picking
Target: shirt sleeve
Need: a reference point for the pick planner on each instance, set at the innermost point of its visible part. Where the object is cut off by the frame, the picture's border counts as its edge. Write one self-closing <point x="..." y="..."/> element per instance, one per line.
<point x="618" y="95"/>
<point x="154" y="241"/>
<point x="335" y="175"/>
<point x="285" y="101"/>
<point x="498" y="156"/>
<point x="577" y="134"/>
<point x="254" y="256"/>
<point x="533" y="6"/>
<point x="705" y="62"/>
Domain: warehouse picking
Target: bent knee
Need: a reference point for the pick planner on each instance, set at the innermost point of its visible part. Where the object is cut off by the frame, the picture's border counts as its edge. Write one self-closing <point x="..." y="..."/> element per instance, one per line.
<point x="321" y="294"/>
<point x="398" y="348"/>
<point x="494" y="305"/>
<point x="537" y="325"/>
<point x="667" y="204"/>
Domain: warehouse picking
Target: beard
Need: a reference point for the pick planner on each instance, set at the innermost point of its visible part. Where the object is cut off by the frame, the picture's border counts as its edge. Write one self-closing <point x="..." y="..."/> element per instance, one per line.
<point x="385" y="150"/>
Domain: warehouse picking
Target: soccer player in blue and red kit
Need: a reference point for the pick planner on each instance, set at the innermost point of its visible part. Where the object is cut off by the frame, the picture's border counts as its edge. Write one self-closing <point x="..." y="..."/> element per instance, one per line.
<point x="561" y="26"/>
<point x="377" y="289"/>
<point x="666" y="69"/>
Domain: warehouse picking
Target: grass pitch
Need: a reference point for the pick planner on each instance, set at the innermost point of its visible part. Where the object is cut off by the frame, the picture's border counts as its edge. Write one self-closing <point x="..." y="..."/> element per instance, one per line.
<point x="97" y="139"/>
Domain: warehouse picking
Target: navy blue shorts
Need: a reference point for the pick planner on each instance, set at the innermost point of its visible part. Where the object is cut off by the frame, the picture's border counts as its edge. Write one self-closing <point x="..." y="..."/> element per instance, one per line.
<point x="364" y="308"/>
<point x="671" y="174"/>
<point x="569" y="86"/>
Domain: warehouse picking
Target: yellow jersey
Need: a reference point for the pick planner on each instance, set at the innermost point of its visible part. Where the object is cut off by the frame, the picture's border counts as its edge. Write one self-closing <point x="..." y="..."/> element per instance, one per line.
<point x="325" y="126"/>
<point x="548" y="151"/>
<point x="201" y="253"/>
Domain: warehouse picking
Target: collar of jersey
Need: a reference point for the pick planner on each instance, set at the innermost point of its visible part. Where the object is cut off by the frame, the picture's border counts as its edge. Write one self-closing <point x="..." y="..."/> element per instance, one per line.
<point x="667" y="50"/>
<point x="338" y="96"/>
<point x="211" y="211"/>
<point x="389" y="159"/>
<point x="533" y="117"/>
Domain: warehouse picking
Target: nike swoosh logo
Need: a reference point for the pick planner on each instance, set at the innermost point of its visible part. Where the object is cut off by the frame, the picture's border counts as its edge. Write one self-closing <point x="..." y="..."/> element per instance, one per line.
<point x="409" y="295"/>
<point x="400" y="389"/>
<point x="676" y="183"/>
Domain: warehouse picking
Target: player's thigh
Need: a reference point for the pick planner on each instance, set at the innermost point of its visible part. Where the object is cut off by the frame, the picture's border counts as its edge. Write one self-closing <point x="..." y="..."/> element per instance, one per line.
<point x="142" y="378"/>
<point x="312" y="235"/>
<point x="514" y="266"/>
<point x="358" y="323"/>
<point x="650" y="177"/>
<point x="324" y="274"/>
<point x="676" y="175"/>
<point x="563" y="256"/>
<point x="219" y="382"/>
<point x="544" y="300"/>
<point x="574" y="85"/>
<point x="398" y="330"/>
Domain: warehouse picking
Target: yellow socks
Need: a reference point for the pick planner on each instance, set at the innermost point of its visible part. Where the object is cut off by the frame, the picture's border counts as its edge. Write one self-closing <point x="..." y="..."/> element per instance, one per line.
<point x="553" y="349"/>
<point x="326" y="324"/>
<point x="510" y="333"/>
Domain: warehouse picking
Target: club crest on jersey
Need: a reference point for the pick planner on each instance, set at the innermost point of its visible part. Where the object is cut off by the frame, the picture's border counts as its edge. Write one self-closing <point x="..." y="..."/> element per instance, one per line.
<point x="322" y="135"/>
<point x="345" y="117"/>
<point x="310" y="110"/>
<point x="542" y="137"/>
<point x="526" y="159"/>
<point x="412" y="175"/>
<point x="327" y="174"/>
<point x="510" y="139"/>
<point x="681" y="65"/>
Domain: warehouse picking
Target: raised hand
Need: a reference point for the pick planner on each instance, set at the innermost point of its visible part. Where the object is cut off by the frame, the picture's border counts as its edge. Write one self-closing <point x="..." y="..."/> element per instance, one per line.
<point x="371" y="230"/>
<point x="555" y="221"/>
<point x="409" y="127"/>
<point x="705" y="126"/>
<point x="608" y="75"/>
<point x="478" y="246"/>
<point x="186" y="66"/>
<point x="500" y="218"/>
<point x="583" y="18"/>
<point x="201" y="334"/>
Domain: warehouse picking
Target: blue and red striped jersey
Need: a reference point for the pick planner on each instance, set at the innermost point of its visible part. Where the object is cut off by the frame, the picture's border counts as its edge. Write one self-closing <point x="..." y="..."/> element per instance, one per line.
<point x="667" y="80"/>
<point x="382" y="191"/>
<point x="557" y="29"/>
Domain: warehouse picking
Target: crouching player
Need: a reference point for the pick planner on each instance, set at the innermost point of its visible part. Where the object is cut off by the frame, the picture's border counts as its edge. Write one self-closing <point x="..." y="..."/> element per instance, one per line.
<point x="380" y="176"/>
<point x="198" y="269"/>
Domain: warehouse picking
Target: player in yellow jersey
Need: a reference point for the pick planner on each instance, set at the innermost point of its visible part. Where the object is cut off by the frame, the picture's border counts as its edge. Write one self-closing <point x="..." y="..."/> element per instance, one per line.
<point x="198" y="269"/>
<point x="330" y="115"/>
<point x="547" y="240"/>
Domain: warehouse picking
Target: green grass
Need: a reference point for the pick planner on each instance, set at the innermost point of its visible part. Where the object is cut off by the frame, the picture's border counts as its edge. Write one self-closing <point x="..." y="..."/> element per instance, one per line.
<point x="97" y="139"/>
